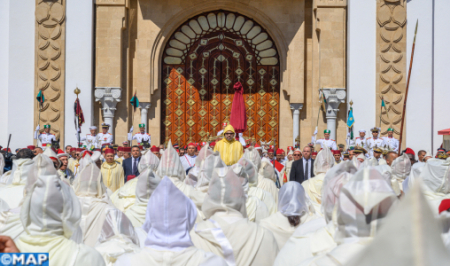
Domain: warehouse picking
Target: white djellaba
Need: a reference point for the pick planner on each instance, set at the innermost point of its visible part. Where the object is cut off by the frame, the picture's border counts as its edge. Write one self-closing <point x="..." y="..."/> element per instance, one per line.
<point x="435" y="177"/>
<point x="50" y="214"/>
<point x="2" y="164"/>
<point x="195" y="177"/>
<point x="96" y="206"/>
<point x="400" y="169"/>
<point x="315" y="237"/>
<point x="125" y="197"/>
<point x="170" y="166"/>
<point x="227" y="232"/>
<point x="13" y="182"/>
<point x="416" y="170"/>
<point x="294" y="205"/>
<point x="313" y="186"/>
<point x="364" y="201"/>
<point x="256" y="209"/>
<point x="267" y="178"/>
<point x="10" y="223"/>
<point x="410" y="235"/>
<point x="169" y="218"/>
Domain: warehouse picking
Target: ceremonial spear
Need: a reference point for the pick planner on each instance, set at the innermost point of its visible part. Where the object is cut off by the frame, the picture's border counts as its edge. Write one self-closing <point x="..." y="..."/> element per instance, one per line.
<point x="407" y="88"/>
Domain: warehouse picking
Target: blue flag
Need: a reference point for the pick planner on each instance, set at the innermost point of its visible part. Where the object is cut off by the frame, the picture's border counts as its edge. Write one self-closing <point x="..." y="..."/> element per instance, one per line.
<point x="350" y="119"/>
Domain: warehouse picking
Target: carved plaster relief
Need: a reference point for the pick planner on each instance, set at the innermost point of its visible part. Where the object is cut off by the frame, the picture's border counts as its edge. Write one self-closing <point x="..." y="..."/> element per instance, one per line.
<point x="391" y="62"/>
<point x="50" y="46"/>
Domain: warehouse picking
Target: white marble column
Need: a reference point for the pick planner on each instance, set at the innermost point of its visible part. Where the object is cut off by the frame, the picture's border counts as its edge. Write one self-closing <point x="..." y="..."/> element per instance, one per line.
<point x="334" y="97"/>
<point x="144" y="114"/>
<point x="296" y="107"/>
<point x="108" y="98"/>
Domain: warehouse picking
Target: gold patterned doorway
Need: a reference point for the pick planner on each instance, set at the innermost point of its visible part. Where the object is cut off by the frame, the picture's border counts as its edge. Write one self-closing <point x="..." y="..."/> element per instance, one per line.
<point x="202" y="61"/>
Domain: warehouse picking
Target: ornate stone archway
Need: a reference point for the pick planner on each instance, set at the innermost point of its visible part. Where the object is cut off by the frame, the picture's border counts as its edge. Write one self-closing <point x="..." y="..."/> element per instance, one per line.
<point x="201" y="62"/>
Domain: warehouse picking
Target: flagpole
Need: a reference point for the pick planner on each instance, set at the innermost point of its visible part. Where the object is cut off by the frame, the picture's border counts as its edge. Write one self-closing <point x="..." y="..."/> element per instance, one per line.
<point x="407" y="89"/>
<point x="381" y="110"/>
<point x="78" y="91"/>
<point x="39" y="119"/>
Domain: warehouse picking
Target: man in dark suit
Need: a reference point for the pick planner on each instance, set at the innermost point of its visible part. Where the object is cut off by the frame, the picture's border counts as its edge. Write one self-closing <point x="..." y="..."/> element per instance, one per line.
<point x="130" y="165"/>
<point x="303" y="169"/>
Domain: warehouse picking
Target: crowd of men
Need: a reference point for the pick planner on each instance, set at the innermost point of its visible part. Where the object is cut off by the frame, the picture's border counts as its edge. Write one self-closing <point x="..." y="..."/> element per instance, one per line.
<point x="227" y="202"/>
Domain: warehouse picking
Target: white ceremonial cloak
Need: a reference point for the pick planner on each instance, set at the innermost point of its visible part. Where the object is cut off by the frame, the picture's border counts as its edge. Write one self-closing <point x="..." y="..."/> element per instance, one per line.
<point x="280" y="227"/>
<point x="250" y="243"/>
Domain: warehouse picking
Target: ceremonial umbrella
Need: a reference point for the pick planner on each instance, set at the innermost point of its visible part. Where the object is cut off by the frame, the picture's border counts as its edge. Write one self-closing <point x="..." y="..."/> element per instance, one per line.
<point x="238" y="117"/>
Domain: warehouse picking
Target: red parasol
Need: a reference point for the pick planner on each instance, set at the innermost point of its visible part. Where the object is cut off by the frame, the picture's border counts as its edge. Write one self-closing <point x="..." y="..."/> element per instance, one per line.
<point x="238" y="117"/>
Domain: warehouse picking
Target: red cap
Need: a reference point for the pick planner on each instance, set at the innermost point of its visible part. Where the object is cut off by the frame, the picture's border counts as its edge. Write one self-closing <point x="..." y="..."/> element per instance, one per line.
<point x="410" y="151"/>
<point x="178" y="151"/>
<point x="127" y="149"/>
<point x="80" y="149"/>
<point x="141" y="147"/>
<point x="7" y="149"/>
<point x="109" y="151"/>
<point x="212" y="144"/>
<point x="279" y="151"/>
<point x="336" y="152"/>
<point x="154" y="149"/>
<point x="192" y="144"/>
<point x="314" y="153"/>
<point x="31" y="147"/>
<point x="270" y="150"/>
<point x="120" y="148"/>
<point x="272" y="146"/>
<point x="257" y="145"/>
<point x="290" y="148"/>
<point x="224" y="124"/>
<point x="445" y="205"/>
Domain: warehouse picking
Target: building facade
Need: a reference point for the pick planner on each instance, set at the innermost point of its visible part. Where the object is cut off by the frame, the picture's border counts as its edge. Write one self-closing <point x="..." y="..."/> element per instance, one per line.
<point x="301" y="63"/>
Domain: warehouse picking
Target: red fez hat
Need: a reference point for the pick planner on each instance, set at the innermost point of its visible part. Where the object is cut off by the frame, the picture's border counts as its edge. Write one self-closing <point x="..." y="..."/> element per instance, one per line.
<point x="154" y="149"/>
<point x="314" y="153"/>
<point x="224" y="124"/>
<point x="445" y="205"/>
<point x="141" y="147"/>
<point x="212" y="144"/>
<point x="120" y="148"/>
<point x="290" y="148"/>
<point x="105" y="144"/>
<point x="109" y="151"/>
<point x="31" y="147"/>
<point x="336" y="152"/>
<point x="270" y="150"/>
<point x="80" y="149"/>
<point x="272" y="146"/>
<point x="257" y="145"/>
<point x="279" y="151"/>
<point x="191" y="144"/>
<point x="127" y="149"/>
<point x="410" y="151"/>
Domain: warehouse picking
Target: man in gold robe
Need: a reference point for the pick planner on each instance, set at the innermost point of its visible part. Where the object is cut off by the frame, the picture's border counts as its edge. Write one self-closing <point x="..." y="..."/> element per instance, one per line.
<point x="112" y="171"/>
<point x="229" y="148"/>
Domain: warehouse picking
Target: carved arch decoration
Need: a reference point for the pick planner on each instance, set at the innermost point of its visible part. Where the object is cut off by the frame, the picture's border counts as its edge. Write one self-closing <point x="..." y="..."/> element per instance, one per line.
<point x="50" y="49"/>
<point x="202" y="61"/>
<point x="391" y="19"/>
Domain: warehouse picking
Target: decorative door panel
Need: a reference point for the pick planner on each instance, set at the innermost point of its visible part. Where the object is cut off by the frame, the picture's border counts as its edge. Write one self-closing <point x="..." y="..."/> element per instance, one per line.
<point x="202" y="61"/>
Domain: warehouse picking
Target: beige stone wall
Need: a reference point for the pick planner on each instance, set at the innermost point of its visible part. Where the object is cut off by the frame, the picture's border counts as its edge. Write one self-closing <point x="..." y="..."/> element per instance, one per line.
<point x="147" y="24"/>
<point x="50" y="65"/>
<point x="391" y="64"/>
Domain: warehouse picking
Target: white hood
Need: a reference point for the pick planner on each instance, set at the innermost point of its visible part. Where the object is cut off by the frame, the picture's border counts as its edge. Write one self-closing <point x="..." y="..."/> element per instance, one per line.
<point x="324" y="161"/>
<point x="292" y="200"/>
<point x="169" y="218"/>
<point x="170" y="164"/>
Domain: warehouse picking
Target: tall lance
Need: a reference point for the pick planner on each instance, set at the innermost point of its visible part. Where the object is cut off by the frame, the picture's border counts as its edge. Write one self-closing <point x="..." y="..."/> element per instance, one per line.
<point x="407" y="88"/>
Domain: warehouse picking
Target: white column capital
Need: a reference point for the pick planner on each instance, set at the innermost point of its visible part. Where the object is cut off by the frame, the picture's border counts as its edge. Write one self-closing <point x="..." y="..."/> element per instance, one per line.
<point x="296" y="106"/>
<point x="144" y="105"/>
<point x="334" y="97"/>
<point x="108" y="97"/>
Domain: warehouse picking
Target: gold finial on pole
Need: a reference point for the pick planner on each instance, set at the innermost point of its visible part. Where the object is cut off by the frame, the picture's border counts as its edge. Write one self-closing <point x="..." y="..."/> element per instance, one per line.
<point x="351" y="103"/>
<point x="77" y="91"/>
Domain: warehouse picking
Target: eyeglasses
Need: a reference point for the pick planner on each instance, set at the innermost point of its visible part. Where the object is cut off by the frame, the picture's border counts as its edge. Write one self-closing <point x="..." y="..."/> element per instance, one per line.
<point x="296" y="154"/>
<point x="229" y="133"/>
